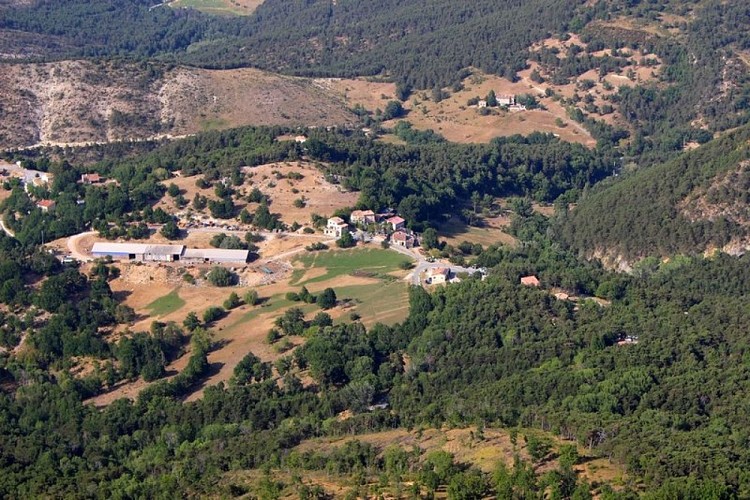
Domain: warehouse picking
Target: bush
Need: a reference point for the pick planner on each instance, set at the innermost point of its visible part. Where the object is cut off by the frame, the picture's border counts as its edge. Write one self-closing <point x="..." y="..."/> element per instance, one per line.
<point x="188" y="278"/>
<point x="170" y="230"/>
<point x="273" y="335"/>
<point x="251" y="298"/>
<point x="213" y="313"/>
<point x="191" y="321"/>
<point x="314" y="247"/>
<point x="346" y="240"/>
<point x="232" y="301"/>
<point x="292" y="297"/>
<point x="221" y="276"/>
<point x="322" y="319"/>
<point x="327" y="299"/>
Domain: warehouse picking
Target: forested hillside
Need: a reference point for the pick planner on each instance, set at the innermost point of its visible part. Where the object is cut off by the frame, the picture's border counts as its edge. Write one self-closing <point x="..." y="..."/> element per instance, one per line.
<point x="684" y="206"/>
<point x="611" y="323"/>
<point x="702" y="88"/>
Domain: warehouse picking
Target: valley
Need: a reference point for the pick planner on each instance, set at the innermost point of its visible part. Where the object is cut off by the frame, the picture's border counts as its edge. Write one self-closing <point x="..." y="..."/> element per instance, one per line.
<point x="395" y="249"/>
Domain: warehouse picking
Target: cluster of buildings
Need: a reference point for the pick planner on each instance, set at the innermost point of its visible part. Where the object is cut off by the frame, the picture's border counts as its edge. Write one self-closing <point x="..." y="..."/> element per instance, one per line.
<point x="29" y="178"/>
<point x="390" y="223"/>
<point x="507" y="100"/>
<point x="145" y="252"/>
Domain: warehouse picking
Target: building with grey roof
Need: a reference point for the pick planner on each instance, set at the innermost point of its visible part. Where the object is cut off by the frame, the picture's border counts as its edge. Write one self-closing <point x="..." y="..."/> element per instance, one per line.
<point x="142" y="252"/>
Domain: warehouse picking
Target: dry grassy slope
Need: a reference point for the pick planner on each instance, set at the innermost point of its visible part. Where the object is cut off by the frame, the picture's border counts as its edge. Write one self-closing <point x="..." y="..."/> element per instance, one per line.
<point x="82" y="101"/>
<point x="483" y="450"/>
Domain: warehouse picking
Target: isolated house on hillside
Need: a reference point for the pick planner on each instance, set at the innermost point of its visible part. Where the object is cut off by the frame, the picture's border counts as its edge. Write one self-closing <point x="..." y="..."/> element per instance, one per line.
<point x="46" y="205"/>
<point x="530" y="281"/>
<point x="336" y="227"/>
<point x="506" y="100"/>
<point x="362" y="217"/>
<point x="91" y="179"/>
<point x="438" y="275"/>
<point x="396" y="223"/>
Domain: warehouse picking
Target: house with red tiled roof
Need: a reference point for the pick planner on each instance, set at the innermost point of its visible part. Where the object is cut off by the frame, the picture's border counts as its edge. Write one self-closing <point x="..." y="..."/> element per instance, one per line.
<point x="91" y="179"/>
<point x="403" y="239"/>
<point x="46" y="205"/>
<point x="530" y="281"/>
<point x="396" y="223"/>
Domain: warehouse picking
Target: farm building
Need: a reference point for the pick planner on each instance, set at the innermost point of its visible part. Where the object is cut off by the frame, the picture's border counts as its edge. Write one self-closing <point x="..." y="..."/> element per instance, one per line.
<point x="506" y="100"/>
<point x="169" y="253"/>
<point x="138" y="251"/>
<point x="215" y="256"/>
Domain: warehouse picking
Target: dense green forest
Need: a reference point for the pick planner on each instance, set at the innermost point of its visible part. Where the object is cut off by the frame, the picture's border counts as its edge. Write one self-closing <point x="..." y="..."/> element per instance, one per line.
<point x="649" y="211"/>
<point x="492" y="353"/>
<point x="426" y="183"/>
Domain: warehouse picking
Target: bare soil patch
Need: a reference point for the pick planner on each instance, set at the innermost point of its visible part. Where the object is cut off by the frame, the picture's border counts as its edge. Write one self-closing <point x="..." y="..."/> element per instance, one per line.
<point x="455" y="120"/>
<point x="320" y="196"/>
<point x="77" y="102"/>
<point x="493" y="232"/>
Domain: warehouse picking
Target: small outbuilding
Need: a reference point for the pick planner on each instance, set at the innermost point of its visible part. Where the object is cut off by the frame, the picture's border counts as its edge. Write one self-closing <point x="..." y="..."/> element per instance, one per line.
<point x="530" y="281"/>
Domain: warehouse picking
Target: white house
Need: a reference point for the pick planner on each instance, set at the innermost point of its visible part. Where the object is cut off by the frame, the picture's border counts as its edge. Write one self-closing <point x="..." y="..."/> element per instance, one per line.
<point x="506" y="100"/>
<point x="438" y="275"/>
<point x="336" y="227"/>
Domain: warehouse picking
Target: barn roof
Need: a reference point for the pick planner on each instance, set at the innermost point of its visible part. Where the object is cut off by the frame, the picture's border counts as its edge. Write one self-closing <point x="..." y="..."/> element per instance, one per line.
<point x="216" y="253"/>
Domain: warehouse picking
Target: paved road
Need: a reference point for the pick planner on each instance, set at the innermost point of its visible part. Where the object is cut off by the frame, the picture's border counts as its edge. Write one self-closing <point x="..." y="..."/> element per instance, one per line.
<point x="73" y="247"/>
<point x="6" y="230"/>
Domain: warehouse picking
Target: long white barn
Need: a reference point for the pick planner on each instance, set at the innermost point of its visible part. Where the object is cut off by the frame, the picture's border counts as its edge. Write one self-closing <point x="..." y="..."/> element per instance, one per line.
<point x="142" y="252"/>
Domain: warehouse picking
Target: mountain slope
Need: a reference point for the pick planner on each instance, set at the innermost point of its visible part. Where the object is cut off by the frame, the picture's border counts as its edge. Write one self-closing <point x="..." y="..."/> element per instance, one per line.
<point x="83" y="101"/>
<point x="689" y="205"/>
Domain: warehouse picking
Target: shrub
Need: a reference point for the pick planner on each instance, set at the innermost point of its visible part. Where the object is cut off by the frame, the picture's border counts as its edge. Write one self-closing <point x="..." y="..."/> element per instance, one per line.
<point x="346" y="240"/>
<point x="213" y="313"/>
<point x="170" y="230"/>
<point x="221" y="276"/>
<point x="327" y="299"/>
<point x="232" y="301"/>
<point x="273" y="335"/>
<point x="316" y="246"/>
<point x="251" y="298"/>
